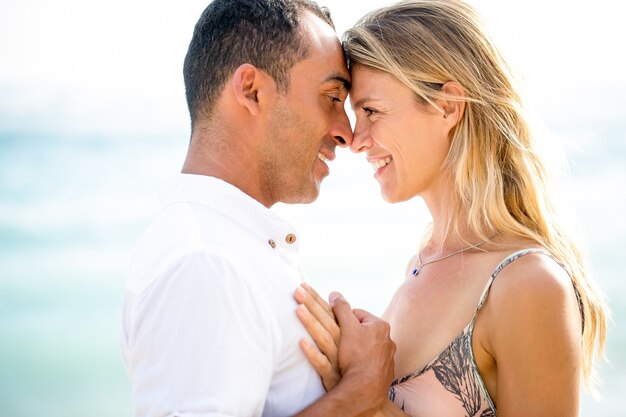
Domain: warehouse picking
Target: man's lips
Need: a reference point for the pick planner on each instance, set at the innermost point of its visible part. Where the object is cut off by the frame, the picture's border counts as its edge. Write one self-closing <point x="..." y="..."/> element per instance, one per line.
<point x="326" y="155"/>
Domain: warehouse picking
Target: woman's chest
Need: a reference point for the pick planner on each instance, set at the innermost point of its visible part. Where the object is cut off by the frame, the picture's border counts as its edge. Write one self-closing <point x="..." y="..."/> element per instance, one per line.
<point x="425" y="317"/>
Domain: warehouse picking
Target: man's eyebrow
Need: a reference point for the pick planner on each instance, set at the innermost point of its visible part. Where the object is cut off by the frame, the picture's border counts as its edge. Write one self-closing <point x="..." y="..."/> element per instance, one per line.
<point x="344" y="82"/>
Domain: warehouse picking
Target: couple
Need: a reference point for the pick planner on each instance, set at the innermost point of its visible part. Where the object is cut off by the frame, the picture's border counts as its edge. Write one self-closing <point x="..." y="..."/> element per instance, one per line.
<point x="497" y="311"/>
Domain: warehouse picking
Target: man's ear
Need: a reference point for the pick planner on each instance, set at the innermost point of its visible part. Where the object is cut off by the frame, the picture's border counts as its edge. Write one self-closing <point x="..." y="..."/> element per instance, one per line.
<point x="247" y="81"/>
<point x="454" y="106"/>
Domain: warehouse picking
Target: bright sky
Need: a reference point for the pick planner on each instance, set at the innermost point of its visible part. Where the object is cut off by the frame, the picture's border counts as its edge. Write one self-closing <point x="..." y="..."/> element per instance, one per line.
<point x="115" y="67"/>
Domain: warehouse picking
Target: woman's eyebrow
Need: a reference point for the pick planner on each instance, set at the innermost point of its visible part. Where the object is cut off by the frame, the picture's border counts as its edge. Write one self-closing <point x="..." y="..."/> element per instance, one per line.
<point x="362" y="101"/>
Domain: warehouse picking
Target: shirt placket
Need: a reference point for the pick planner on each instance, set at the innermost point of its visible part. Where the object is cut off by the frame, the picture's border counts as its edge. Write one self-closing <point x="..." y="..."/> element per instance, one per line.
<point x="286" y="245"/>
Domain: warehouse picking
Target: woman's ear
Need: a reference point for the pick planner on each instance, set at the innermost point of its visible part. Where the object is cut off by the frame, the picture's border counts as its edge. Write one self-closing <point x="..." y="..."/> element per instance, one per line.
<point x="454" y="106"/>
<point x="246" y="82"/>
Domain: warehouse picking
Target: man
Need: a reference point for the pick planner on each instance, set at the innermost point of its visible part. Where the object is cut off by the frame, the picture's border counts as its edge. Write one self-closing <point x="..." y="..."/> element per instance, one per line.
<point x="209" y="319"/>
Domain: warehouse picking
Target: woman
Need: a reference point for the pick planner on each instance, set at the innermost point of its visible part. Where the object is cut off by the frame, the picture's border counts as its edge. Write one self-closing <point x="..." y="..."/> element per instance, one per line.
<point x="497" y="311"/>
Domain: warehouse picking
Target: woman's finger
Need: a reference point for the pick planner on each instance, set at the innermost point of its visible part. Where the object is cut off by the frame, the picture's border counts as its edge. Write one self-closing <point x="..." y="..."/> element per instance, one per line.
<point x="329" y="374"/>
<point x="320" y="335"/>
<point x="320" y="309"/>
<point x="318" y="299"/>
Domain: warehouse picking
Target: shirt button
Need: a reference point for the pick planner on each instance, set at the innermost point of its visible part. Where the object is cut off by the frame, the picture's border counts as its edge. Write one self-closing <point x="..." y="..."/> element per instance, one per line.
<point x="272" y="243"/>
<point x="291" y="238"/>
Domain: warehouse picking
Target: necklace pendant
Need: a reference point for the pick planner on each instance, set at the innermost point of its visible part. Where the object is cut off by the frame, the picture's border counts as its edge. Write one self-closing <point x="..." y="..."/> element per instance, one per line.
<point x="416" y="271"/>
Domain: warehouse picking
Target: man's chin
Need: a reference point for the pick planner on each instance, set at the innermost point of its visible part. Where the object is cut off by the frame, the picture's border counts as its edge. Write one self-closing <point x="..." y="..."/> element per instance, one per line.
<point x="303" y="196"/>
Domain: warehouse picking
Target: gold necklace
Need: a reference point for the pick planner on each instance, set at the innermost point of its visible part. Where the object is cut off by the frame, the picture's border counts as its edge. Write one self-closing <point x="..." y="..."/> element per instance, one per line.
<point x="418" y="268"/>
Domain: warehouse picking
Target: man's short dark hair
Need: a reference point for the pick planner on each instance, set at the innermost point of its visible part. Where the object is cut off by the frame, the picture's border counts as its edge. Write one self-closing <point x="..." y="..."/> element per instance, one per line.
<point x="230" y="33"/>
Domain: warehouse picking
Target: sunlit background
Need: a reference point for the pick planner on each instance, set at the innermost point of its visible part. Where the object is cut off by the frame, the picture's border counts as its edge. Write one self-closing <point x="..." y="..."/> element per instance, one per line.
<point x="93" y="117"/>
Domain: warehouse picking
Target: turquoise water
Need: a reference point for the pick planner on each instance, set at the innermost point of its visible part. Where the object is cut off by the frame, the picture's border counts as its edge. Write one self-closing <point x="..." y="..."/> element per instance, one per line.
<point x="71" y="209"/>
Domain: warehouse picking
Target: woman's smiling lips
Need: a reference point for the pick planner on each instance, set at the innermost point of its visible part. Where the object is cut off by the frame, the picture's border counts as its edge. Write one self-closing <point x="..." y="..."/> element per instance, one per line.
<point x="378" y="163"/>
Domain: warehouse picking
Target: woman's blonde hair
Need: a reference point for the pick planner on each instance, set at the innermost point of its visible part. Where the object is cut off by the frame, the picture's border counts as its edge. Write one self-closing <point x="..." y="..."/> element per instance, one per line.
<point x="500" y="180"/>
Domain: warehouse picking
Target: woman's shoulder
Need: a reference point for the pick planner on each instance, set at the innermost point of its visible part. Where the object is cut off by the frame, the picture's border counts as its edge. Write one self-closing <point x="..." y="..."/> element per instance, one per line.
<point x="533" y="292"/>
<point x="532" y="327"/>
<point x="531" y="273"/>
<point x="525" y="271"/>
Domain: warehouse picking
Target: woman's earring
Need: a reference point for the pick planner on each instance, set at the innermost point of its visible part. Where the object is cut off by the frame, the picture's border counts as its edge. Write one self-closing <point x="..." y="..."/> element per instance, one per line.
<point x="445" y="115"/>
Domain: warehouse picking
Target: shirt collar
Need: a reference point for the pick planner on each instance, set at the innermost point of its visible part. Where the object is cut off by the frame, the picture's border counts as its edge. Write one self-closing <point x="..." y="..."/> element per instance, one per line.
<point x="233" y="203"/>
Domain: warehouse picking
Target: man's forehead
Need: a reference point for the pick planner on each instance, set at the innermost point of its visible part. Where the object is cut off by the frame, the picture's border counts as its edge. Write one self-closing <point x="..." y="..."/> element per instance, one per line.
<point x="318" y="32"/>
<point x="325" y="60"/>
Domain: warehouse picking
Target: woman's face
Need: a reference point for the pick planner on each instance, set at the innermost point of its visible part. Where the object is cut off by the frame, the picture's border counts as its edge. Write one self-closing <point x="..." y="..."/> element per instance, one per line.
<point x="405" y="141"/>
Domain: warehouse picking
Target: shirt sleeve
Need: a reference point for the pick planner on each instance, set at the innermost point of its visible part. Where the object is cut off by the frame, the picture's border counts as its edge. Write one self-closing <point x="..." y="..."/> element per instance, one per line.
<point x="200" y="343"/>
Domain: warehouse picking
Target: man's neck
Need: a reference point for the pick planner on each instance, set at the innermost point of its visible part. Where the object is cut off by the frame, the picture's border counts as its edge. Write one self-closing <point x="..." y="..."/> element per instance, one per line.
<point x="242" y="172"/>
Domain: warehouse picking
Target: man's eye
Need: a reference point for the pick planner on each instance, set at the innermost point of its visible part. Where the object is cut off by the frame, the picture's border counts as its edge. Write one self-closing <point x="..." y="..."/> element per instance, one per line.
<point x="369" y="111"/>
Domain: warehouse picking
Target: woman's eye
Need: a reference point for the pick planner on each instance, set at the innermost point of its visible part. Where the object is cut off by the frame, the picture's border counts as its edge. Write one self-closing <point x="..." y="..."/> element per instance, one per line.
<point x="335" y="99"/>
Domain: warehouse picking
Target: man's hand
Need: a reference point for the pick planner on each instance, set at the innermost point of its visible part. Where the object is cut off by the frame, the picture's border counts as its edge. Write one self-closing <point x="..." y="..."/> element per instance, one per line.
<point x="352" y="349"/>
<point x="365" y="354"/>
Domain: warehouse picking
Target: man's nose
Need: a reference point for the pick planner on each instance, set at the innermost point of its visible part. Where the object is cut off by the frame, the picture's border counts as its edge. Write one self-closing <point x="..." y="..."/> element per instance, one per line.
<point x="341" y="131"/>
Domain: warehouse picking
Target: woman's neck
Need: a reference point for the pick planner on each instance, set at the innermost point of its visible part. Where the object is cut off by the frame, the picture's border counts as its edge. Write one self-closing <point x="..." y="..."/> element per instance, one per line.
<point x="450" y="229"/>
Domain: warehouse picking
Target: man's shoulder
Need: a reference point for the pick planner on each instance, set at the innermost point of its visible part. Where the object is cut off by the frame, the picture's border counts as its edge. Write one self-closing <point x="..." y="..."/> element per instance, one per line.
<point x="179" y="236"/>
<point x="188" y="226"/>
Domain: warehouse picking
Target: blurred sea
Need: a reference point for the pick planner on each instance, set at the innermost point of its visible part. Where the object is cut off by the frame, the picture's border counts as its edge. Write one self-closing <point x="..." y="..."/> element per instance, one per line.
<point x="71" y="209"/>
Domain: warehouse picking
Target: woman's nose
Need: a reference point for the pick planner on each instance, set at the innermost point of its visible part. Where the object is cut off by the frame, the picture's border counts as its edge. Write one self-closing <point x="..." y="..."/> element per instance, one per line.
<point x="361" y="139"/>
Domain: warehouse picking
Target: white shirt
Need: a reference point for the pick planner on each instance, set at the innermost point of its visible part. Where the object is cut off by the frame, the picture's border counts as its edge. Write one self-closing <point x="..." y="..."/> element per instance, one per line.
<point x="209" y="323"/>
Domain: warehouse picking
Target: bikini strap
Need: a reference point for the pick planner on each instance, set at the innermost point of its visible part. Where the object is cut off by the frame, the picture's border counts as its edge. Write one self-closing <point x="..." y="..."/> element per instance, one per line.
<point x="511" y="258"/>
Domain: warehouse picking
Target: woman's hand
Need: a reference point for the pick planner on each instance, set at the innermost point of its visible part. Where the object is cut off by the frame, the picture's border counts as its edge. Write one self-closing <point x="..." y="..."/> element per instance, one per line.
<point x="319" y="320"/>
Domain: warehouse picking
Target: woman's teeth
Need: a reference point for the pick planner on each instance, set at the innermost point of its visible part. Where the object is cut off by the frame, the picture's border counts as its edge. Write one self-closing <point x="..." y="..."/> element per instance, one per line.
<point x="322" y="157"/>
<point x="381" y="163"/>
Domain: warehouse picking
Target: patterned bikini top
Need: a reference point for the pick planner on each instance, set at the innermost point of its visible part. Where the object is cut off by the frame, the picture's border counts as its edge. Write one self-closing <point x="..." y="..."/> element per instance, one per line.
<point x="450" y="385"/>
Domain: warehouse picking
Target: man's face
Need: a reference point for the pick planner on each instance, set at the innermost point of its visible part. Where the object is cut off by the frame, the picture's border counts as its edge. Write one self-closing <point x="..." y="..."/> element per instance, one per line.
<point x="308" y="121"/>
